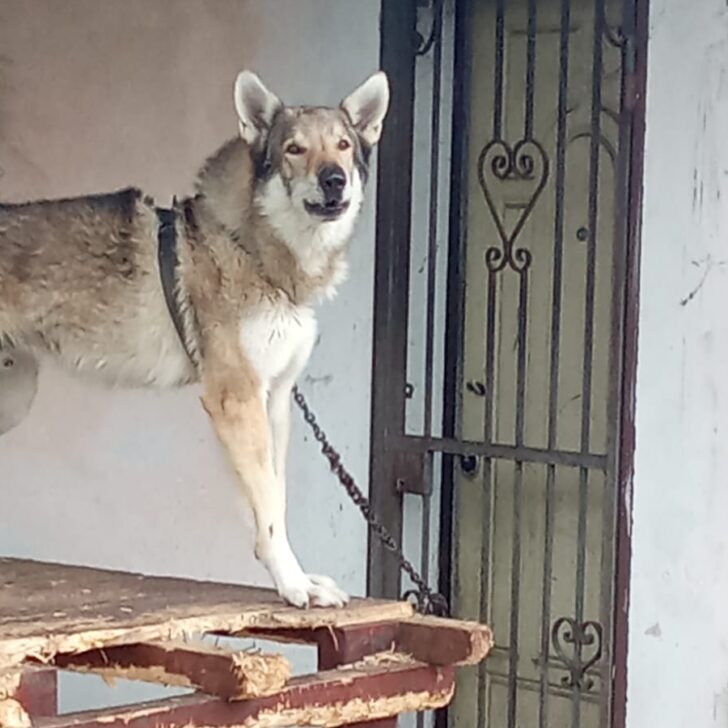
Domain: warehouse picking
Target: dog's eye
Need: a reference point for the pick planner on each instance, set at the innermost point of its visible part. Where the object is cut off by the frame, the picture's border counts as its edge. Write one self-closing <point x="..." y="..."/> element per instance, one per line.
<point x="344" y="144"/>
<point x="294" y="149"/>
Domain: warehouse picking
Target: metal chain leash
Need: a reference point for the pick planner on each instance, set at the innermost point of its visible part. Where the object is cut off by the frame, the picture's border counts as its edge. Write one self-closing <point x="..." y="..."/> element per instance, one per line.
<point x="425" y="599"/>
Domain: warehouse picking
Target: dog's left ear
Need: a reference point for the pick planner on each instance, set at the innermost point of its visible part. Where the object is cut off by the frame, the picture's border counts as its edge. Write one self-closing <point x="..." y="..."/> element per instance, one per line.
<point x="256" y="106"/>
<point x="367" y="106"/>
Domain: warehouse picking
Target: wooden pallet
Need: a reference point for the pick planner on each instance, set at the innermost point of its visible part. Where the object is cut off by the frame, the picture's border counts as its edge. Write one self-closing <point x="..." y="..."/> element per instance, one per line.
<point x="376" y="658"/>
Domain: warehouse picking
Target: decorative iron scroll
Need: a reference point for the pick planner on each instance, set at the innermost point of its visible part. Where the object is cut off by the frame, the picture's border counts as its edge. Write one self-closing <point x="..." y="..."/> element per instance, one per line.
<point x="422" y="44"/>
<point x="567" y="631"/>
<point x="525" y="161"/>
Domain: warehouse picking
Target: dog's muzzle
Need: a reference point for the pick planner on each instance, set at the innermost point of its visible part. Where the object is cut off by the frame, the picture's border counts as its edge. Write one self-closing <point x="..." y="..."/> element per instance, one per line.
<point x="332" y="181"/>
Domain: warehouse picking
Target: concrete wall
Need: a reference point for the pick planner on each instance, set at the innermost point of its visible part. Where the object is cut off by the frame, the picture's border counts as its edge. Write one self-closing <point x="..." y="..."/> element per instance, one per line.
<point x="678" y="651"/>
<point x="95" y="96"/>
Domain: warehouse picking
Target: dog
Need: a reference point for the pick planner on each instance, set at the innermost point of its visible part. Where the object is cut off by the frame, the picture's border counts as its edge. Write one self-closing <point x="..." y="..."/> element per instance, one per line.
<point x="218" y="289"/>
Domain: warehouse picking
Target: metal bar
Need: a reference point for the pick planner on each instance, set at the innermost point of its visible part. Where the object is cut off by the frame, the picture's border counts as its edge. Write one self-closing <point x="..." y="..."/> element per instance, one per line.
<point x="487" y="486"/>
<point x="425" y="537"/>
<point x="489" y="359"/>
<point x="499" y="68"/>
<point x="451" y="446"/>
<point x="455" y="294"/>
<point x="556" y="294"/>
<point x="581" y="532"/>
<point x="530" y="69"/>
<point x="521" y="357"/>
<point x="432" y="223"/>
<point x="610" y="524"/>
<point x="595" y="137"/>
<point x="636" y="15"/>
<point x="548" y="558"/>
<point x="513" y="638"/>
<point x="517" y="494"/>
<point x="394" y="202"/>
<point x="485" y="552"/>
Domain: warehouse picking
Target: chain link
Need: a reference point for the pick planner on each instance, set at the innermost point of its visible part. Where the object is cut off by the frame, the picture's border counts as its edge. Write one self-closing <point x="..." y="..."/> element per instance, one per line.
<point x="425" y="599"/>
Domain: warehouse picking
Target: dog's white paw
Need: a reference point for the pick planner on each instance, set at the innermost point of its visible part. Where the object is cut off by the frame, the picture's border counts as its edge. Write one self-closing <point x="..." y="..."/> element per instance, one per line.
<point x="297" y="593"/>
<point x="326" y="592"/>
<point x="313" y="591"/>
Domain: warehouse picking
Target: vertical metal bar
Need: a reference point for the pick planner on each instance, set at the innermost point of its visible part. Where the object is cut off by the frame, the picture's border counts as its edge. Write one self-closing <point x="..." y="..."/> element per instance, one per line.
<point x="424" y="570"/>
<point x="556" y="293"/>
<point x="517" y="502"/>
<point x="455" y="297"/>
<point x="636" y="18"/>
<point x="425" y="537"/>
<point x="433" y="220"/>
<point x="530" y="68"/>
<point x="487" y="486"/>
<point x="394" y="201"/>
<point x="513" y="641"/>
<point x="595" y="139"/>
<point x="625" y="36"/>
<point x="490" y="375"/>
<point x="499" y="68"/>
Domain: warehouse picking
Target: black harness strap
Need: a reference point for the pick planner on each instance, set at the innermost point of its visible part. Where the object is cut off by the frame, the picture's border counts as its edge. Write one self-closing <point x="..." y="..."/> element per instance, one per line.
<point x="168" y="262"/>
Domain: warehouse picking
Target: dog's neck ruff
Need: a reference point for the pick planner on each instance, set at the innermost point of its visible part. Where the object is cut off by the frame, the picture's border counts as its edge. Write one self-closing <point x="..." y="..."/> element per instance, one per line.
<point x="313" y="243"/>
<point x="168" y="264"/>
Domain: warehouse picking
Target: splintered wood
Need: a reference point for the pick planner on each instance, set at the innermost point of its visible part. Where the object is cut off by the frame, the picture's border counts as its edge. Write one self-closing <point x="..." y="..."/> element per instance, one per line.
<point x="12" y="713"/>
<point x="214" y="670"/>
<point x="333" y="698"/>
<point x="376" y="658"/>
<point x="49" y="609"/>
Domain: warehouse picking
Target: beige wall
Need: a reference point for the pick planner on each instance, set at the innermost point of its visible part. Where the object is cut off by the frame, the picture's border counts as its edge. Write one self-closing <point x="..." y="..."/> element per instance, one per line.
<point x="99" y="94"/>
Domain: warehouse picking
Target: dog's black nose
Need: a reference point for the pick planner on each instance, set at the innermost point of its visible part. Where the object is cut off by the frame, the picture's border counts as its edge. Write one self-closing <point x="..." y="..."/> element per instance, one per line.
<point x="332" y="180"/>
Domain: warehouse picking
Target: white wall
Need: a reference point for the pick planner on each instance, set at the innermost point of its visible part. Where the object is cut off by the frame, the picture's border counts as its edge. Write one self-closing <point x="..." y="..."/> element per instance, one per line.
<point x="678" y="648"/>
<point x="95" y="96"/>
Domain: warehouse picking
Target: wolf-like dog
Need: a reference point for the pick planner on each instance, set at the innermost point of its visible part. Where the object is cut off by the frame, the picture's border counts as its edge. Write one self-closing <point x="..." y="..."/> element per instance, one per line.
<point x="262" y="240"/>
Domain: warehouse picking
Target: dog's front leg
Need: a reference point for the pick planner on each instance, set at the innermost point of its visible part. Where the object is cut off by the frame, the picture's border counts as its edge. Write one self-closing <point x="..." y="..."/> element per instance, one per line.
<point x="279" y="411"/>
<point x="235" y="400"/>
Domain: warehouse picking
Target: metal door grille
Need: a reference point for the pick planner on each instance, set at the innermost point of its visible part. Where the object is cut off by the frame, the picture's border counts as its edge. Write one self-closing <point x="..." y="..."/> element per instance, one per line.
<point x="502" y="254"/>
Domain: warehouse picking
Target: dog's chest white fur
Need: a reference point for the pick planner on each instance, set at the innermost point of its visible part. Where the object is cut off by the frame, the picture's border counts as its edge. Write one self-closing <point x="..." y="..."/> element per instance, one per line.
<point x="277" y="339"/>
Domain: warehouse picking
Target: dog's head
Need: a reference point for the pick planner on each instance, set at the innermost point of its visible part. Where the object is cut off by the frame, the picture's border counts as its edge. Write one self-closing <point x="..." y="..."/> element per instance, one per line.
<point x="312" y="159"/>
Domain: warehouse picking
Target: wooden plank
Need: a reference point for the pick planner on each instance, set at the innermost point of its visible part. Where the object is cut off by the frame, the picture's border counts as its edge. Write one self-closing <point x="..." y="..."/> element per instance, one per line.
<point x="433" y="640"/>
<point x="47" y="609"/>
<point x="337" y="645"/>
<point x="342" y="645"/>
<point x="439" y="641"/>
<point x="38" y="691"/>
<point x="367" y="692"/>
<point x="232" y="675"/>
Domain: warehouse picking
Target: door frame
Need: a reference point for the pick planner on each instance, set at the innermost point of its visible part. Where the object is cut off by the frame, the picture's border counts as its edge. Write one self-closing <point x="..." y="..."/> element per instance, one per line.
<point x="392" y="270"/>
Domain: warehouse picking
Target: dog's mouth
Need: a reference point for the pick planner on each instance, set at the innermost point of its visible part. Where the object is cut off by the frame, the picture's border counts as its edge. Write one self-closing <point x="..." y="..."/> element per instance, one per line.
<point x="328" y="211"/>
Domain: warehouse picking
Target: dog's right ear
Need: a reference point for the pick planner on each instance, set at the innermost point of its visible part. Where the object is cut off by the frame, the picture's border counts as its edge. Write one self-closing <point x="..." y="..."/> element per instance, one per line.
<point x="256" y="106"/>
